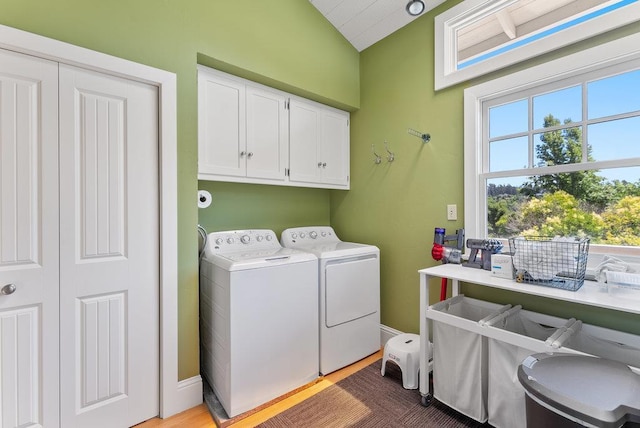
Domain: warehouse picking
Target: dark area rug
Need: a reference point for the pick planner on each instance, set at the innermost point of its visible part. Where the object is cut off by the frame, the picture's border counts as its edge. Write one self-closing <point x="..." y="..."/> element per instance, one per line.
<point x="368" y="400"/>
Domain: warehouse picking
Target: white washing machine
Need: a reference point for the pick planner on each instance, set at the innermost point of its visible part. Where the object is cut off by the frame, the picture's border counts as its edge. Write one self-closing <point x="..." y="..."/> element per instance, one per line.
<point x="349" y="289"/>
<point x="258" y="318"/>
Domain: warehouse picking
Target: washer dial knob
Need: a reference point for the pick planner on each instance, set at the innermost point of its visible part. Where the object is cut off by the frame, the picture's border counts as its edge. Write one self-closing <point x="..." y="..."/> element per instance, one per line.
<point x="313" y="234"/>
<point x="229" y="240"/>
<point x="323" y="233"/>
<point x="245" y="239"/>
<point x="302" y="235"/>
<point x="259" y="238"/>
<point x="269" y="237"/>
<point x="294" y="235"/>
<point x="219" y="241"/>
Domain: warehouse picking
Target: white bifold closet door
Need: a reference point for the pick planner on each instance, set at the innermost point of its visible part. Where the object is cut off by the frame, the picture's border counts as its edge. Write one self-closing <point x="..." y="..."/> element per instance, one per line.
<point x="79" y="235"/>
<point x="109" y="269"/>
<point x="29" y="263"/>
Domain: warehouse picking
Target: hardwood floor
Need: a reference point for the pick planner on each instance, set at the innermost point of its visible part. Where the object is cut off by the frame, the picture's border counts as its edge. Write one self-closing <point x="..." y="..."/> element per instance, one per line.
<point x="199" y="416"/>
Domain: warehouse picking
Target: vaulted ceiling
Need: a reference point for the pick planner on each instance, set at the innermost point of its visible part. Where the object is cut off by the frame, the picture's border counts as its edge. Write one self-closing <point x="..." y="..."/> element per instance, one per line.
<point x="364" y="22"/>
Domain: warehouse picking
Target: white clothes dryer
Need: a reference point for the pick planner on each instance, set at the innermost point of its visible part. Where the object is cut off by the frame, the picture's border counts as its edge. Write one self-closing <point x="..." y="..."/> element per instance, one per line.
<point x="349" y="289"/>
<point x="258" y="318"/>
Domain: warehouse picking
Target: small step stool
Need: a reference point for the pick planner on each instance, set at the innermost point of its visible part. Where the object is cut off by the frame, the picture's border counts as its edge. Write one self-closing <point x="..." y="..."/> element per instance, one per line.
<point x="404" y="350"/>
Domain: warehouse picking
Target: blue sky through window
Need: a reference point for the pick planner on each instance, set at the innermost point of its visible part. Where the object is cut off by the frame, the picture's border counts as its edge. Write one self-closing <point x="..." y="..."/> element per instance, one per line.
<point x="613" y="129"/>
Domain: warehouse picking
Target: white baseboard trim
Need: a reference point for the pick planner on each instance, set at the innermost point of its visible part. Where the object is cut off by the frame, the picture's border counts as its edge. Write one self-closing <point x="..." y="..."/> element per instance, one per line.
<point x="387" y="333"/>
<point x="189" y="394"/>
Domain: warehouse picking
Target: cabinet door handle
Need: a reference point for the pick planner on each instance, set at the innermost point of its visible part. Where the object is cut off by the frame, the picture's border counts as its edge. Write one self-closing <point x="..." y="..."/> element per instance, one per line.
<point x="319" y="164"/>
<point x="242" y="154"/>
<point x="249" y="154"/>
<point x="324" y="164"/>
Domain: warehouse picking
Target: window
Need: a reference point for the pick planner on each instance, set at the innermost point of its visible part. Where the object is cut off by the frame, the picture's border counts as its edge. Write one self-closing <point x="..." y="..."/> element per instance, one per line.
<point x="555" y="149"/>
<point x="479" y="36"/>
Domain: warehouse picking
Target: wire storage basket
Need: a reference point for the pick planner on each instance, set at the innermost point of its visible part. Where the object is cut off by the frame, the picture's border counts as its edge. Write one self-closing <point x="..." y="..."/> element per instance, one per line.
<point x="556" y="262"/>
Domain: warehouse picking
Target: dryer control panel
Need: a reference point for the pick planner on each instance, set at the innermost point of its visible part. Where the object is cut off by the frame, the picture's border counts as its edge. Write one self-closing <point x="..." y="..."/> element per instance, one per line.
<point x="308" y="235"/>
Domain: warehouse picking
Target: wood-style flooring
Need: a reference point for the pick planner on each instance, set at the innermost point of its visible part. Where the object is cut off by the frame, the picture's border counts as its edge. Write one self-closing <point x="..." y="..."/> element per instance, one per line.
<point x="199" y="416"/>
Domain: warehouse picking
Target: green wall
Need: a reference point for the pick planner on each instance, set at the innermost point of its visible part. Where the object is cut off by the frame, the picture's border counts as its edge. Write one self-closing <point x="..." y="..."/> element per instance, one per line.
<point x="397" y="205"/>
<point x="286" y="43"/>
<point x="289" y="45"/>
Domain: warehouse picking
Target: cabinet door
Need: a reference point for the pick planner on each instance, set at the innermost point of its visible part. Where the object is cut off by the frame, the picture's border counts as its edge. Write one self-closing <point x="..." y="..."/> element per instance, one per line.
<point x="334" y="148"/>
<point x="221" y="126"/>
<point x="267" y="134"/>
<point x="28" y="241"/>
<point x="304" y="142"/>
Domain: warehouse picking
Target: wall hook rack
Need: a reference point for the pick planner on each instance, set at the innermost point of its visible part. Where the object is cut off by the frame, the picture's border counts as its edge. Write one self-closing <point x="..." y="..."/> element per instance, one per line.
<point x="425" y="137"/>
<point x="390" y="155"/>
<point x="377" y="158"/>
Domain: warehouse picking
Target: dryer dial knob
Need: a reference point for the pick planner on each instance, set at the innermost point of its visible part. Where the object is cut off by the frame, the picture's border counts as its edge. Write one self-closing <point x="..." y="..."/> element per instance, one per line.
<point x="219" y="241"/>
<point x="313" y="234"/>
<point x="294" y="235"/>
<point x="259" y="238"/>
<point x="229" y="240"/>
<point x="269" y="237"/>
<point x="302" y="235"/>
<point x="245" y="239"/>
<point x="323" y="233"/>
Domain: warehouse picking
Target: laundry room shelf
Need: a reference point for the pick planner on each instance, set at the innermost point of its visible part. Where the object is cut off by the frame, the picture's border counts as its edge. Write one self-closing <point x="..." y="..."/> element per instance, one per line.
<point x="590" y="294"/>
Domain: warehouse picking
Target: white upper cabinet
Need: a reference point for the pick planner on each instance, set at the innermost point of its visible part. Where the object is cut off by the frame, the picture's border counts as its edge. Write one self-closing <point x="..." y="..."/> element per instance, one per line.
<point x="319" y="144"/>
<point x="304" y="137"/>
<point x="222" y="137"/>
<point x="251" y="133"/>
<point x="267" y="134"/>
<point x="334" y="147"/>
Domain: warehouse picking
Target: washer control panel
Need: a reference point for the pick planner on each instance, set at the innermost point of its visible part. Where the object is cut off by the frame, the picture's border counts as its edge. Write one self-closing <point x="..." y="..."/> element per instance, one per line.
<point x="309" y="235"/>
<point x="239" y="240"/>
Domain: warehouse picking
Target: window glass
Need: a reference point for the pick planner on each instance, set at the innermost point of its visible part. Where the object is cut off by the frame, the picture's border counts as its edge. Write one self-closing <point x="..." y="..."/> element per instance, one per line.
<point x="508" y="119"/>
<point x="564" y="105"/>
<point x="512" y="153"/>
<point x="614" y="95"/>
<point x="603" y="205"/>
<point x="476" y="37"/>
<point x="615" y="139"/>
<point x="521" y="23"/>
<point x="575" y="169"/>
<point x="559" y="147"/>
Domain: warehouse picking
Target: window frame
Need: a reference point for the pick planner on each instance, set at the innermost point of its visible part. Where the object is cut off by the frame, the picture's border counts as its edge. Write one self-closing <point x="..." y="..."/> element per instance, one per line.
<point x="616" y="56"/>
<point x="470" y="11"/>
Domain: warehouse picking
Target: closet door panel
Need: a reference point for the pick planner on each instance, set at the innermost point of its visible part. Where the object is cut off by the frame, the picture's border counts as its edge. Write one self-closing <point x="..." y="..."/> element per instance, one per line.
<point x="28" y="241"/>
<point x="109" y="271"/>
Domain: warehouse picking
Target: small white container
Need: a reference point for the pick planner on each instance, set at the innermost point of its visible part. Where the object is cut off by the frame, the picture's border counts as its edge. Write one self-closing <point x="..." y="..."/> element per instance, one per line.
<point x="502" y="266"/>
<point x="623" y="285"/>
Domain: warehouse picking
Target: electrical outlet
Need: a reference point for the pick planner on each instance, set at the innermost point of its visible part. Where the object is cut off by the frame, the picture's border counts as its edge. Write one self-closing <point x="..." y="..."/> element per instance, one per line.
<point x="452" y="212"/>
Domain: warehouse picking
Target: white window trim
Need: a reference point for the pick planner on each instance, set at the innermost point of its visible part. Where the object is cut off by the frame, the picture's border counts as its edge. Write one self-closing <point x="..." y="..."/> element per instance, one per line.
<point x="603" y="56"/>
<point x="447" y="23"/>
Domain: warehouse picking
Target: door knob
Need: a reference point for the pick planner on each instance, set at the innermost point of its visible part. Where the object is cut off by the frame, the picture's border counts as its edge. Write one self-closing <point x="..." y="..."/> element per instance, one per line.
<point x="8" y="289"/>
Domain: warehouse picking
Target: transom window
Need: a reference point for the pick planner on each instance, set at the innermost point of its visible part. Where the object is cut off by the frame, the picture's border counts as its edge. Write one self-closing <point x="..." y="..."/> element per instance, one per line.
<point x="479" y="36"/>
<point x="555" y="150"/>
